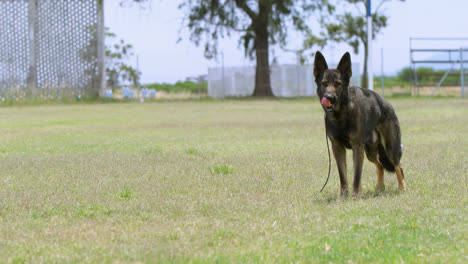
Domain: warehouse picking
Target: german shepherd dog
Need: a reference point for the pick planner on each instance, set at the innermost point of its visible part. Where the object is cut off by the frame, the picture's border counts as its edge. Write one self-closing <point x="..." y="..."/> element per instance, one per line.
<point x="358" y="119"/>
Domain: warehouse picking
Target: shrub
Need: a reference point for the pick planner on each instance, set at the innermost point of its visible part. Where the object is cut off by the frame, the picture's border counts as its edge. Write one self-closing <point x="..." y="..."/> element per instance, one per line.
<point x="180" y="87"/>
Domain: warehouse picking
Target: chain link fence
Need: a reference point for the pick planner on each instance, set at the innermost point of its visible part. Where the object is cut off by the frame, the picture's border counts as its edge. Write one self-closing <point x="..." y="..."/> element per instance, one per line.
<point x="51" y="48"/>
<point x="286" y="80"/>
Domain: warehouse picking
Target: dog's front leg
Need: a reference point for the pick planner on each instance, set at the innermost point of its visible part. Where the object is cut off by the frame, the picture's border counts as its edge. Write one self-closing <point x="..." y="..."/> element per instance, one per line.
<point x="340" y="156"/>
<point x="358" y="158"/>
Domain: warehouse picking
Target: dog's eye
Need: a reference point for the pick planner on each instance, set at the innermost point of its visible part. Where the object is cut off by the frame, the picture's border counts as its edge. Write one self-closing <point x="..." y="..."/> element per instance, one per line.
<point x="324" y="83"/>
<point x="337" y="83"/>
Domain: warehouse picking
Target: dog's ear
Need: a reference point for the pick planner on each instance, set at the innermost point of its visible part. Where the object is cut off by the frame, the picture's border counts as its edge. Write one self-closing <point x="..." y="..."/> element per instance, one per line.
<point x="320" y="65"/>
<point x="344" y="67"/>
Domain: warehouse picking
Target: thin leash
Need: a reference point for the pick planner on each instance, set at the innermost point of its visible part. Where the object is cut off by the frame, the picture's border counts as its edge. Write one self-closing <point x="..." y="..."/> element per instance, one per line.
<point x="328" y="148"/>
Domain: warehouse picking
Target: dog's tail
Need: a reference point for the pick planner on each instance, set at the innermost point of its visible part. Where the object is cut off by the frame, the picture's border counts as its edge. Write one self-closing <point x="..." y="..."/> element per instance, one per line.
<point x="384" y="160"/>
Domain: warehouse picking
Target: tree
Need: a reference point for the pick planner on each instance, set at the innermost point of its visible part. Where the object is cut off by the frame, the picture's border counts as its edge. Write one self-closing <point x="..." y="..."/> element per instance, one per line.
<point x="260" y="23"/>
<point x="351" y="28"/>
<point x="117" y="69"/>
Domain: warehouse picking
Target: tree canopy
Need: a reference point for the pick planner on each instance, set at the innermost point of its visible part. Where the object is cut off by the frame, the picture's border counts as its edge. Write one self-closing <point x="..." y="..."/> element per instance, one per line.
<point x="257" y="23"/>
<point x="349" y="25"/>
<point x="117" y="68"/>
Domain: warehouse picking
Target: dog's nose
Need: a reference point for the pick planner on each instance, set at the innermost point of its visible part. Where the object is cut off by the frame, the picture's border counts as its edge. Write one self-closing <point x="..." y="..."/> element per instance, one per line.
<point x="330" y="98"/>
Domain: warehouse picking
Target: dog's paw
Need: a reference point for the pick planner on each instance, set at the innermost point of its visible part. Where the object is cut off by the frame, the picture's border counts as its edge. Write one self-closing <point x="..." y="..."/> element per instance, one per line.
<point x="380" y="188"/>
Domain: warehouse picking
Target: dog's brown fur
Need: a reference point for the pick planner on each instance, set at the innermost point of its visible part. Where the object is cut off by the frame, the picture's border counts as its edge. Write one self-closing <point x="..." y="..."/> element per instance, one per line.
<point x="361" y="120"/>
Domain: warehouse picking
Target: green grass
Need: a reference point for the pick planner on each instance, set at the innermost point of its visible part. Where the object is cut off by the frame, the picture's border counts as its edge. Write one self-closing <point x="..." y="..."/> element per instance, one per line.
<point x="231" y="181"/>
<point x="222" y="170"/>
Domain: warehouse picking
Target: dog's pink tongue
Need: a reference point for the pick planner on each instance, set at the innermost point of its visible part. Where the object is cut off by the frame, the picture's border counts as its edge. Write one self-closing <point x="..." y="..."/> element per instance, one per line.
<point x="325" y="102"/>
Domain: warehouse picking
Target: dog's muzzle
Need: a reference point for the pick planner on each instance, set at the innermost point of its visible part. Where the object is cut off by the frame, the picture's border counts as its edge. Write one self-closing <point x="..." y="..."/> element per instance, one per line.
<point x="328" y="103"/>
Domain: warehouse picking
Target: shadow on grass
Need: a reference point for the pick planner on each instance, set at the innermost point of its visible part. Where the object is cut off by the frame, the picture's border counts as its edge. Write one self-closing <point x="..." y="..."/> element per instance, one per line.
<point x="334" y="197"/>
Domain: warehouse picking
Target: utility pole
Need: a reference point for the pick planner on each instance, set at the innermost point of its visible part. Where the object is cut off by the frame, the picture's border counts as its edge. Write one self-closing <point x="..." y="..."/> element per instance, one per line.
<point x="369" y="46"/>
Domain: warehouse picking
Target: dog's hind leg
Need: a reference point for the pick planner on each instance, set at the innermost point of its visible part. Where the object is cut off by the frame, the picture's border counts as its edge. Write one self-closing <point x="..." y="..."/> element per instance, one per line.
<point x="380" y="178"/>
<point x="372" y="156"/>
<point x="340" y="156"/>
<point x="393" y="149"/>
<point x="400" y="178"/>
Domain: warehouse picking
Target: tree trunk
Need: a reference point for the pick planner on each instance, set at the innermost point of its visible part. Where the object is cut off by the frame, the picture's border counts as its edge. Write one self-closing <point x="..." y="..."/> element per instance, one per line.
<point x="262" y="71"/>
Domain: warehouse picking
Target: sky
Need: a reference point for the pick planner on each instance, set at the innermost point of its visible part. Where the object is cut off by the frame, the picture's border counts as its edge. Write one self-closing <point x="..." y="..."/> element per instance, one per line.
<point x="154" y="32"/>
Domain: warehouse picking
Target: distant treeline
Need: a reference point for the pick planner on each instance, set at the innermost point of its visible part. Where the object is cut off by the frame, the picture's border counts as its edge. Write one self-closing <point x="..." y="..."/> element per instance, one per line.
<point x="180" y="87"/>
<point x="429" y="76"/>
<point x="426" y="76"/>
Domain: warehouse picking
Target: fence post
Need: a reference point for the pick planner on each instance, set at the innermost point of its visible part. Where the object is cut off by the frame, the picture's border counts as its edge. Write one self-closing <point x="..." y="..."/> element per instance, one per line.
<point x="382" y="70"/>
<point x="139" y="99"/>
<point x="462" y="73"/>
<point x="298" y="76"/>
<point x="101" y="50"/>
<point x="222" y="73"/>
<point x="32" y="71"/>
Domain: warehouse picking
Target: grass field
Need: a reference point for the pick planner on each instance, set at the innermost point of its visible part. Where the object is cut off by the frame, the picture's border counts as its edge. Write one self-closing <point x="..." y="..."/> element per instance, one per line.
<point x="231" y="181"/>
